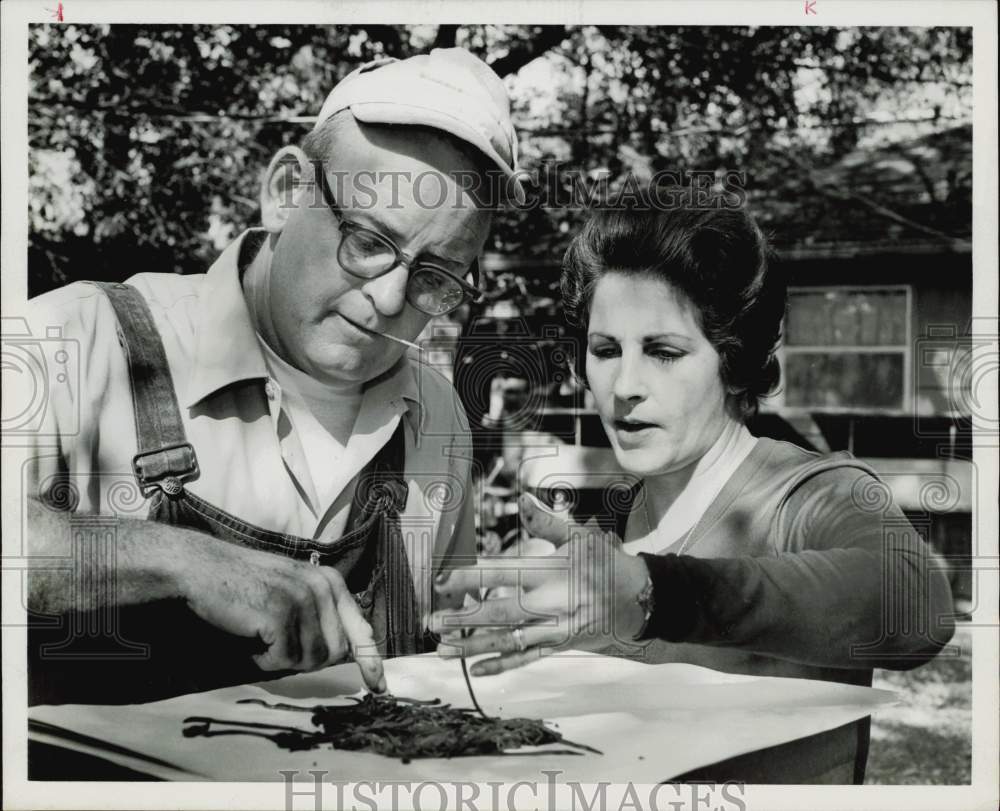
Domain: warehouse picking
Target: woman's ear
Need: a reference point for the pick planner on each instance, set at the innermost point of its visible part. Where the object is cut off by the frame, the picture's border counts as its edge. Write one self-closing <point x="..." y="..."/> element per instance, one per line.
<point x="736" y="403"/>
<point x="287" y="177"/>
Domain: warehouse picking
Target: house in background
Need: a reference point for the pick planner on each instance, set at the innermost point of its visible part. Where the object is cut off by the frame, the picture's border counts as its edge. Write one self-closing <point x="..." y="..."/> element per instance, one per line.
<point x="877" y="358"/>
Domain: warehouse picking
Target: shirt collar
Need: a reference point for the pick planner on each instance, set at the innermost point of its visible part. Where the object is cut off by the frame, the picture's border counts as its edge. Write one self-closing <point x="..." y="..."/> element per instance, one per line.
<point x="398" y="390"/>
<point x="226" y="349"/>
<point x="227" y="352"/>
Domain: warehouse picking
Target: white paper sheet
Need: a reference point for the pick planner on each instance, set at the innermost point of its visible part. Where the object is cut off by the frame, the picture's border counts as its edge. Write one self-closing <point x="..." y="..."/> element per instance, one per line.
<point x="651" y="722"/>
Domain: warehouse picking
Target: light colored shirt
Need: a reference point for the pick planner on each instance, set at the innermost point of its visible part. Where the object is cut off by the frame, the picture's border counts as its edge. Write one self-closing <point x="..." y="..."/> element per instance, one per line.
<point x="251" y="457"/>
<point x="711" y="473"/>
<point x="322" y="417"/>
<point x="802" y="567"/>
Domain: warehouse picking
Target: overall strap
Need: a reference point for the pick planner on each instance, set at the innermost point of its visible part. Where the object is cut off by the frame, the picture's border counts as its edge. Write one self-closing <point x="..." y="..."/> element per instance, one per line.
<point x="402" y="619"/>
<point x="165" y="458"/>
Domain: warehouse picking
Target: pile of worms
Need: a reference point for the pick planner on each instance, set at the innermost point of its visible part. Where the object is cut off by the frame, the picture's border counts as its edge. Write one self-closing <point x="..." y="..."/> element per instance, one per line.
<point x="401" y="728"/>
<point x="396" y="727"/>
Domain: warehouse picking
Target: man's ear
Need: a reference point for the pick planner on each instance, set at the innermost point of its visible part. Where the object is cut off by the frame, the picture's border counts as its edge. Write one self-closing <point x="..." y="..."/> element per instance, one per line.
<point x="287" y="179"/>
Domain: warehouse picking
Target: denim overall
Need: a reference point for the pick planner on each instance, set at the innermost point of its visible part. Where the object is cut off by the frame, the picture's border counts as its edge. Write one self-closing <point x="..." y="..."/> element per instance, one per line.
<point x="185" y="653"/>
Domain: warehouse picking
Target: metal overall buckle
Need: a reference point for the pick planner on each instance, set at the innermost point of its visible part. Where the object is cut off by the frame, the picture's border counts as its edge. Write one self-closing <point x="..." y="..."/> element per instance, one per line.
<point x="165" y="468"/>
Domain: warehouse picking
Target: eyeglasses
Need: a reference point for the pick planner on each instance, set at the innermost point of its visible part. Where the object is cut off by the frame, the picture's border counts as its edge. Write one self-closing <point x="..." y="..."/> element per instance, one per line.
<point x="368" y="254"/>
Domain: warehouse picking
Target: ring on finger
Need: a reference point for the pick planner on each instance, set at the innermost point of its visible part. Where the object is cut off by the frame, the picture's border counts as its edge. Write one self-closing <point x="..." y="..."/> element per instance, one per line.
<point x="517" y="636"/>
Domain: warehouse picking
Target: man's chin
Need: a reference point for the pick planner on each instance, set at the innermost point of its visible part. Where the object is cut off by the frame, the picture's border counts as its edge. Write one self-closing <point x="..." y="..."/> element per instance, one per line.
<point x="352" y="366"/>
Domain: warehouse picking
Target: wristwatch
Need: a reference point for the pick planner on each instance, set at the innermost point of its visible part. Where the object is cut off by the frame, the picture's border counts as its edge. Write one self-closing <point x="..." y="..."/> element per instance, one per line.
<point x="644" y="599"/>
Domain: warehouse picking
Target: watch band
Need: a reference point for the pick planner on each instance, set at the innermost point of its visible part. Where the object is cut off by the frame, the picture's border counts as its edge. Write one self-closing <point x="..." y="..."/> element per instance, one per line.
<point x="682" y="587"/>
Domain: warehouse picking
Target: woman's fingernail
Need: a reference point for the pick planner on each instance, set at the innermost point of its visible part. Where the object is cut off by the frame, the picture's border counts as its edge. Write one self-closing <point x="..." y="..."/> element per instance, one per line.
<point x="442" y="578"/>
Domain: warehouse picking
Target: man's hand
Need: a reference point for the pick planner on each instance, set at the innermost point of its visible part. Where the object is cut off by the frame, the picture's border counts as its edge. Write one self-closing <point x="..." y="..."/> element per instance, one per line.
<point x="582" y="597"/>
<point x="305" y="614"/>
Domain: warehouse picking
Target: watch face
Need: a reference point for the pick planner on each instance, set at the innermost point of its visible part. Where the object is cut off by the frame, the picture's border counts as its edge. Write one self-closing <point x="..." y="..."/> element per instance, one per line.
<point x="645" y="598"/>
<point x="645" y="601"/>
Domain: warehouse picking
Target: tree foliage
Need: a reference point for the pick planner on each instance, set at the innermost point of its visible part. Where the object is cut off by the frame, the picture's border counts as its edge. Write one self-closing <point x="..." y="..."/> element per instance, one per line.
<point x="147" y="142"/>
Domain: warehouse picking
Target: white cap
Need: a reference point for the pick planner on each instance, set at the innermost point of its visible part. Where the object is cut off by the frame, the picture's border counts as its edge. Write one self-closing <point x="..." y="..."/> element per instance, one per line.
<point x="448" y="89"/>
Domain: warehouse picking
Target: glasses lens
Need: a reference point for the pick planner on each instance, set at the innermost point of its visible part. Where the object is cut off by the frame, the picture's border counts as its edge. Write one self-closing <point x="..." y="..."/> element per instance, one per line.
<point x="433" y="292"/>
<point x="363" y="253"/>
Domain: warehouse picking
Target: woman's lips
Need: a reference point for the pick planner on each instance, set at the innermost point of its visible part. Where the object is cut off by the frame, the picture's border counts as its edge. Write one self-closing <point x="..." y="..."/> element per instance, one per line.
<point x="633" y="430"/>
<point x="633" y="425"/>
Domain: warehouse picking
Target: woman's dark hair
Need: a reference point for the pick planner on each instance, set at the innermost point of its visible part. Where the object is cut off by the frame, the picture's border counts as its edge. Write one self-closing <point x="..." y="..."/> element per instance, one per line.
<point x="712" y="252"/>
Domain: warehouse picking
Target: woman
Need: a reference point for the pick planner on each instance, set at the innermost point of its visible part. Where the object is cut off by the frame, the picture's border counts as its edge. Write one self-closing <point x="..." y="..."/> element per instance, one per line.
<point x="741" y="554"/>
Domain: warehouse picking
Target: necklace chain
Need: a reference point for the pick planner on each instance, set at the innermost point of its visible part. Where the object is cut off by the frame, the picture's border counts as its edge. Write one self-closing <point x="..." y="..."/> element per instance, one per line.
<point x="650" y="531"/>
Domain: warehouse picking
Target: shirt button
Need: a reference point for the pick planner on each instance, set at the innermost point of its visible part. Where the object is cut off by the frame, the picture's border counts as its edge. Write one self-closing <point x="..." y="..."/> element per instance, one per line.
<point x="271" y="389"/>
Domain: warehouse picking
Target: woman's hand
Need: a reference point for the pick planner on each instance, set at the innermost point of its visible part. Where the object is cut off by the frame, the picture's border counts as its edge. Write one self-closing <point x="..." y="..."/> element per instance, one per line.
<point x="581" y="597"/>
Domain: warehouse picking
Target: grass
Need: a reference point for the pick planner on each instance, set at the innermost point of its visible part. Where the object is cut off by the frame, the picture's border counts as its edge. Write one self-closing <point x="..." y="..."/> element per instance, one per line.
<point x="926" y="739"/>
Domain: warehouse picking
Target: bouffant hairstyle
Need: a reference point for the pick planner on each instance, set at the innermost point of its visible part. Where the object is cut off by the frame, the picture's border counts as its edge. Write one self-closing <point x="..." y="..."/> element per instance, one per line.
<point x="712" y="252"/>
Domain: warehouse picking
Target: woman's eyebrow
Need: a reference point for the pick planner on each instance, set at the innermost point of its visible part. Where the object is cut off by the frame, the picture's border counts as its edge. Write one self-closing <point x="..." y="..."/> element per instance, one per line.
<point x="647" y="339"/>
<point x="670" y="336"/>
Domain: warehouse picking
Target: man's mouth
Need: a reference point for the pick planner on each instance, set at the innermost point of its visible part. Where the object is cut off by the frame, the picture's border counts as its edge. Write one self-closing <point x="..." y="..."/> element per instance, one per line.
<point x="360" y="327"/>
<point x="376" y="334"/>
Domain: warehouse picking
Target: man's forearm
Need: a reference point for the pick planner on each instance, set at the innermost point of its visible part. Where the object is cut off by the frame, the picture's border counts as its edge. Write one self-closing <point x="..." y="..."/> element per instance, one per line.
<point x="140" y="563"/>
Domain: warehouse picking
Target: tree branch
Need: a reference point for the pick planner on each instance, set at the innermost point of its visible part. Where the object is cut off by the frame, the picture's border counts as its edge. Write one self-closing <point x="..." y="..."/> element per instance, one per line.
<point x="886" y="213"/>
<point x="877" y="208"/>
<point x="446" y="36"/>
<point x="526" y="50"/>
<point x="918" y="166"/>
<point x="804" y="63"/>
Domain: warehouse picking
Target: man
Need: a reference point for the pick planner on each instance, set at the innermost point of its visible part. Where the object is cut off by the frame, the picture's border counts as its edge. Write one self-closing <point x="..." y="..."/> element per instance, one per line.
<point x="302" y="477"/>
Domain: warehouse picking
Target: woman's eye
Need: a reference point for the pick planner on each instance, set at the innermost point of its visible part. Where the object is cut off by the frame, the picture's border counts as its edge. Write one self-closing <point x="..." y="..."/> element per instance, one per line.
<point x="604" y="351"/>
<point x="665" y="355"/>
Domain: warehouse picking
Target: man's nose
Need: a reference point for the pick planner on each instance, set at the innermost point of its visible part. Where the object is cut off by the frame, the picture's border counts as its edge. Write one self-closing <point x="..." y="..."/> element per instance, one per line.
<point x="388" y="291"/>
<point x="630" y="384"/>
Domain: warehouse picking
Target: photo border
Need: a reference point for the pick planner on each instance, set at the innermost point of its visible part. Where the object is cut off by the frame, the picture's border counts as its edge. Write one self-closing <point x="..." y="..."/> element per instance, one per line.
<point x="981" y="15"/>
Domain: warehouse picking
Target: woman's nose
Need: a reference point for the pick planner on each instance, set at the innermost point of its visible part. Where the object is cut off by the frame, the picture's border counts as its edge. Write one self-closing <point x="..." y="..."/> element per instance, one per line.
<point x="629" y="382"/>
<point x="388" y="291"/>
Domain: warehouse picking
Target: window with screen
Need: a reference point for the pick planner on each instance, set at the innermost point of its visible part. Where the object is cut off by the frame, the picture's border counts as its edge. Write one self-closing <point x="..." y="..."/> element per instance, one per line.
<point x="846" y="348"/>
